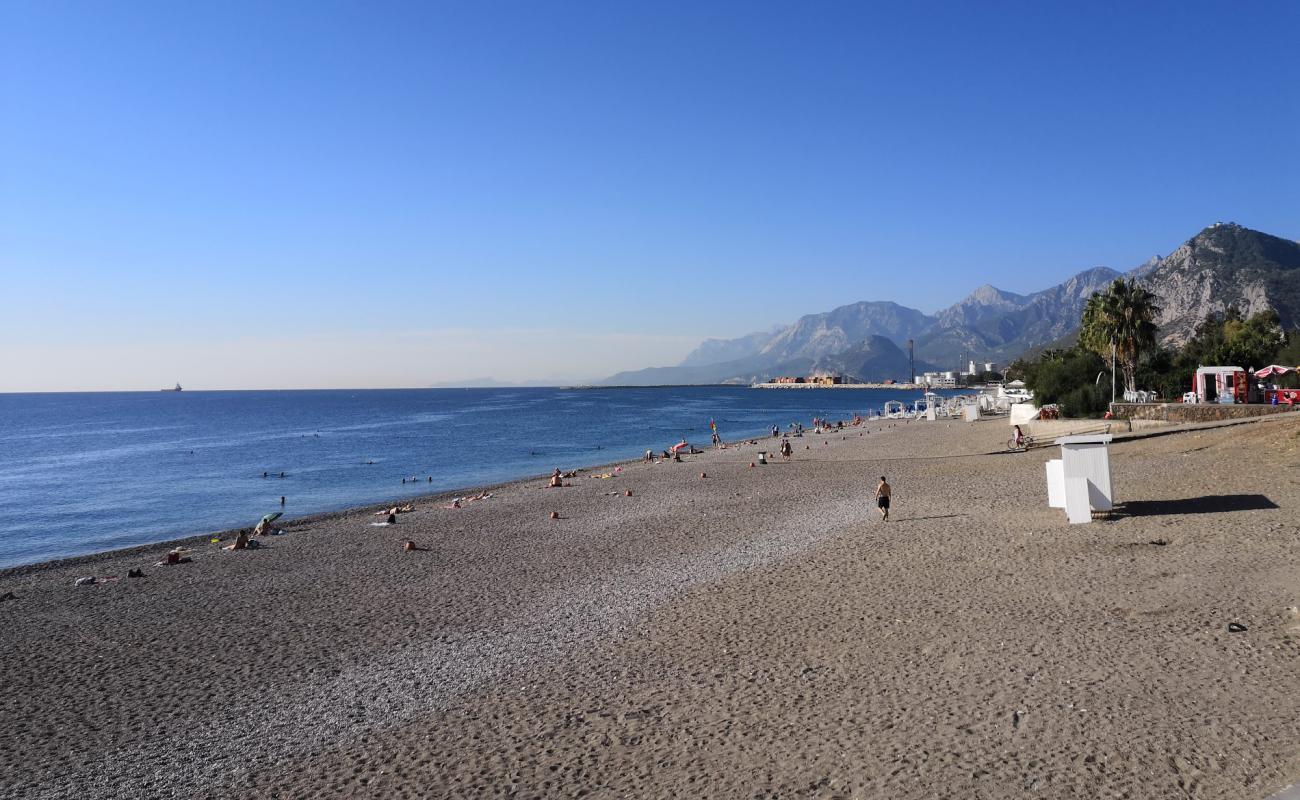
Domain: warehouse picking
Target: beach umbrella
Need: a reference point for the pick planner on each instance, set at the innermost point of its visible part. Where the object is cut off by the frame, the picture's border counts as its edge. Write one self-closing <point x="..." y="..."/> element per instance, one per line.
<point x="265" y="525"/>
<point x="1271" y="370"/>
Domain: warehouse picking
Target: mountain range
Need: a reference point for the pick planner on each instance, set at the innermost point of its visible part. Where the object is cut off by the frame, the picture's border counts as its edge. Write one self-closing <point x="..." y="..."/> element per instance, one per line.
<point x="1225" y="264"/>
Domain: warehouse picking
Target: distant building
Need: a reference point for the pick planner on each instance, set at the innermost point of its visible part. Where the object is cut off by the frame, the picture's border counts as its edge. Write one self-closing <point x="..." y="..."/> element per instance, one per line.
<point x="939" y="379"/>
<point x="989" y="366"/>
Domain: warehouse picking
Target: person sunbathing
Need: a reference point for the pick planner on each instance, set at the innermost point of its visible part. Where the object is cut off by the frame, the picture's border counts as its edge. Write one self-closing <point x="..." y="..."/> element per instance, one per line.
<point x="557" y="479"/>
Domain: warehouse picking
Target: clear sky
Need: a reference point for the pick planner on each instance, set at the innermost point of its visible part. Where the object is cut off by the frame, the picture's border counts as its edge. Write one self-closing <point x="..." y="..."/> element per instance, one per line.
<point x="280" y="194"/>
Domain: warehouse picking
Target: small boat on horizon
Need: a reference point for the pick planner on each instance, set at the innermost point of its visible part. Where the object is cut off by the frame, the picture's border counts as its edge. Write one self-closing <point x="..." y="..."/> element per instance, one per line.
<point x="177" y="389"/>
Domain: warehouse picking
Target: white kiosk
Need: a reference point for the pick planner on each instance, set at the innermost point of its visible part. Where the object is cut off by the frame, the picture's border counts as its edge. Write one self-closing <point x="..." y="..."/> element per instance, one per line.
<point x="1079" y="481"/>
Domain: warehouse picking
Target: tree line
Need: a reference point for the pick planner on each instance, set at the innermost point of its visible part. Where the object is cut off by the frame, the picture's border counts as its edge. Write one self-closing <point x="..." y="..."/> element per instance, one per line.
<point x="1118" y="327"/>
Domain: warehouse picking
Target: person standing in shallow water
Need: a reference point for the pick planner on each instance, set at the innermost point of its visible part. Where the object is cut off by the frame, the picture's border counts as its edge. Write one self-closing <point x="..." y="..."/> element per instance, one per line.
<point x="883" y="492"/>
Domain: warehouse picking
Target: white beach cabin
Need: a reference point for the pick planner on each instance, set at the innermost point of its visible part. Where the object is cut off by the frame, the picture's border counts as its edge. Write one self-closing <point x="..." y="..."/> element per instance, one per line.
<point x="1221" y="385"/>
<point x="1079" y="481"/>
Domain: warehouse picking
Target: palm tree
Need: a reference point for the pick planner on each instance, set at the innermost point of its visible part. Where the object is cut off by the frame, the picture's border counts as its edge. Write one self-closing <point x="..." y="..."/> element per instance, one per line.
<point x="1120" y="323"/>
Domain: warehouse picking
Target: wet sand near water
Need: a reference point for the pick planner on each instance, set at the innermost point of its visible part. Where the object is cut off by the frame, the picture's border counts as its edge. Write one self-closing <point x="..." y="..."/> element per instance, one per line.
<point x="758" y="631"/>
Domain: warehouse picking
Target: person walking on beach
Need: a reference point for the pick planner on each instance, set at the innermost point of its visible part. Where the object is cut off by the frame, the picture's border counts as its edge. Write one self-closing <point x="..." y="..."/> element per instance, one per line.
<point x="786" y="450"/>
<point x="883" y="492"/>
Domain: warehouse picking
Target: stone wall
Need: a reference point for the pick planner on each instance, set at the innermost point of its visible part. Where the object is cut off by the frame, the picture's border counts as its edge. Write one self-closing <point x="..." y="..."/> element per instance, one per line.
<point x="1192" y="412"/>
<point x="1044" y="429"/>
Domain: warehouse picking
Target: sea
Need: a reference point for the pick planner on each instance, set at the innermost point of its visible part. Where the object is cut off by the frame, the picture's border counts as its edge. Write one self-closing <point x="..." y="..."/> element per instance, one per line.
<point x="88" y="472"/>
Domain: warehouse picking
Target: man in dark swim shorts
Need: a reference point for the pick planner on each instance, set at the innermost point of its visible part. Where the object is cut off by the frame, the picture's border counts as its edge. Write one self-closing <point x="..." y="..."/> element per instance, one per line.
<point x="883" y="493"/>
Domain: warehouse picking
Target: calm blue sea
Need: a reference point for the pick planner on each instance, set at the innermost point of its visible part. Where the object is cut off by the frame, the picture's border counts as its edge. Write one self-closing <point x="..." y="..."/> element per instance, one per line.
<point x="82" y="473"/>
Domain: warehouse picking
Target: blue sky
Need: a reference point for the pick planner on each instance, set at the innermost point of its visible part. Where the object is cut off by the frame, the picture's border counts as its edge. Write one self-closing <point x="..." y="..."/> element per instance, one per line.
<point x="241" y="195"/>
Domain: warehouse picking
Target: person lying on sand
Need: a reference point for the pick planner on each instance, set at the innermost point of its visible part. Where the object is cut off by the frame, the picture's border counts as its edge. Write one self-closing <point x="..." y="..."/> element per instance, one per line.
<point x="176" y="556"/>
<point x="240" y="543"/>
<point x="406" y="509"/>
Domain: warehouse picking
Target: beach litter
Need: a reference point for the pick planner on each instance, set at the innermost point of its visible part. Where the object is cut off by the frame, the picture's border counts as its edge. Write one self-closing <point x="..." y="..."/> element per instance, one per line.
<point x="555" y="515"/>
<point x="1236" y="627"/>
<point x="135" y="573"/>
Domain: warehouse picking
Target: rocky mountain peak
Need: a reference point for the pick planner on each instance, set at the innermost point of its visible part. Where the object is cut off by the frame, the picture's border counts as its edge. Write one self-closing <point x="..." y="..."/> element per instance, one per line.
<point x="1225" y="264"/>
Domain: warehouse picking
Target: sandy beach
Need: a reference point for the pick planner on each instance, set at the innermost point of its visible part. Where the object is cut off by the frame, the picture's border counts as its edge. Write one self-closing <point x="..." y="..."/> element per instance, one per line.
<point x="755" y="632"/>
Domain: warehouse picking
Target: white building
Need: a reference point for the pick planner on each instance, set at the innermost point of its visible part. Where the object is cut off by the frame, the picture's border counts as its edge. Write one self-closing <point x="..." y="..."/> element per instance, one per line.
<point x="939" y="380"/>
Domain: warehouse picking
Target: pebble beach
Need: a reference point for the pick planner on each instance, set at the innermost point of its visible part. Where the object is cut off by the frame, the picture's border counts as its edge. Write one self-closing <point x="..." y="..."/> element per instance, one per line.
<point x="699" y="629"/>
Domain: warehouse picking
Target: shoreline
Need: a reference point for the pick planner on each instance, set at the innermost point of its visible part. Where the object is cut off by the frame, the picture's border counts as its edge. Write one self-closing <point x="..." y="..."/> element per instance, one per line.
<point x="292" y="522"/>
<point x="361" y="504"/>
<point x="314" y="517"/>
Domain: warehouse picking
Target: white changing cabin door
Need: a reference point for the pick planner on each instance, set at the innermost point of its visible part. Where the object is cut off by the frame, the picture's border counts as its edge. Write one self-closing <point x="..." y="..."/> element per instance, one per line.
<point x="1089" y="457"/>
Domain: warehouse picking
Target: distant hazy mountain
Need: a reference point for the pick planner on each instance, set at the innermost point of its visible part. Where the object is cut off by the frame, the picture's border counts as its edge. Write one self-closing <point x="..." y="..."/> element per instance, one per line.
<point x="834" y="331"/>
<point x="1224" y="265"/>
<point x="744" y="371"/>
<point x="874" y="359"/>
<point x="793" y="348"/>
<point x="992" y="325"/>
<point x="815" y="335"/>
<point x="985" y="302"/>
<point x="716" y="351"/>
